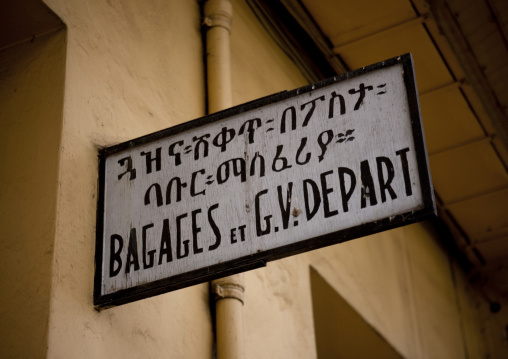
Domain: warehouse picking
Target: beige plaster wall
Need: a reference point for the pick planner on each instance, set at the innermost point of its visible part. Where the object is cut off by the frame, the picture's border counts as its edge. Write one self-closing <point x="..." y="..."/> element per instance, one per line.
<point x="259" y="67"/>
<point x="135" y="67"/>
<point x="277" y="311"/>
<point x="399" y="281"/>
<point x="31" y="98"/>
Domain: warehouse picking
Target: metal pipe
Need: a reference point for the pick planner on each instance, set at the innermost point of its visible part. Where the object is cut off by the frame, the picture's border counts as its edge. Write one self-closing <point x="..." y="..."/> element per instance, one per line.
<point x="228" y="292"/>
<point x="217" y="19"/>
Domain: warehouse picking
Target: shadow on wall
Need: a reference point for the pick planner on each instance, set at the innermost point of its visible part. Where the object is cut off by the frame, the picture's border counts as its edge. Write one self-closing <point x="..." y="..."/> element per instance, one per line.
<point x="340" y="331"/>
<point x="32" y="71"/>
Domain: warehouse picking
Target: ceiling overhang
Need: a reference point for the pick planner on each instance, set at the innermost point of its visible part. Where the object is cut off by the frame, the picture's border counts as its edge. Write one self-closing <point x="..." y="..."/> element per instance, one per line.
<point x="461" y="60"/>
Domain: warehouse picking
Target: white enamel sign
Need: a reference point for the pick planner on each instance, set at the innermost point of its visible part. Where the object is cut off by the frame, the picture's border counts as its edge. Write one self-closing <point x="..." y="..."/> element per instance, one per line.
<point x="282" y="175"/>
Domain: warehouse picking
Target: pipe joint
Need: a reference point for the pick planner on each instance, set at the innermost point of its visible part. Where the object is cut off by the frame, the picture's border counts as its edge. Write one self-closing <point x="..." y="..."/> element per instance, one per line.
<point x="229" y="287"/>
<point x="218" y="13"/>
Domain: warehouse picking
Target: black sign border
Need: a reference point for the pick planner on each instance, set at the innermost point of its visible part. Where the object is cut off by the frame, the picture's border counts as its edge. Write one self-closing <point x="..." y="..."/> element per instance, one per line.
<point x="259" y="259"/>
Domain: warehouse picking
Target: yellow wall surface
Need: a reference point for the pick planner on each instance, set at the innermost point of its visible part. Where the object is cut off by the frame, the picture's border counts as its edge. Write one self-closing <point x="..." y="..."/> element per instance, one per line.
<point x="31" y="100"/>
<point x="134" y="67"/>
<point x="277" y="312"/>
<point x="399" y="281"/>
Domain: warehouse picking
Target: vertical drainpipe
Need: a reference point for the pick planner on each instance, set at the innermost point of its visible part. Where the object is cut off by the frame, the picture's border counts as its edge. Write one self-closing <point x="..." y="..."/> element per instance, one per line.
<point x="228" y="291"/>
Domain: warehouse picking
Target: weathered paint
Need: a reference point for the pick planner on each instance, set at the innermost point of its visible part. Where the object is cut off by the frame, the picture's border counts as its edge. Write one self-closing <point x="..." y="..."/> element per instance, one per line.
<point x="262" y="180"/>
<point x="124" y="61"/>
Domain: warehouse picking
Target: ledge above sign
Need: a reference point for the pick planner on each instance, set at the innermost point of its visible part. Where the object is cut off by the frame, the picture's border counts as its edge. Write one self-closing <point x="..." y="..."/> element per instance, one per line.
<point x="281" y="175"/>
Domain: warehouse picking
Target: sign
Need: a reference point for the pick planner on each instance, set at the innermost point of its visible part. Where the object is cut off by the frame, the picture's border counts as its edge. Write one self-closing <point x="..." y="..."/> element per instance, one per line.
<point x="282" y="175"/>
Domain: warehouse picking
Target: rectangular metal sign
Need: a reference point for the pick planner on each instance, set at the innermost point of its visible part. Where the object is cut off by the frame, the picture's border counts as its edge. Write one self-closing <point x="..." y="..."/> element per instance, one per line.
<point x="282" y="175"/>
